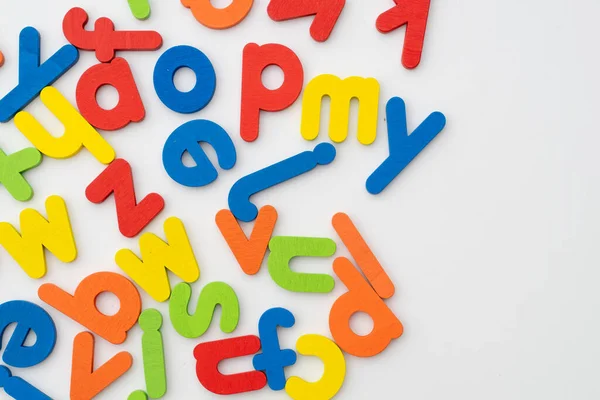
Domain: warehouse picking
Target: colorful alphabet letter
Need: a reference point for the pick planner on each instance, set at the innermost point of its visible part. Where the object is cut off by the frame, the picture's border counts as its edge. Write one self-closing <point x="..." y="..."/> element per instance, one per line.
<point x="81" y="307"/>
<point x="187" y="138"/>
<point x="208" y="356"/>
<point x="37" y="233"/>
<point x="255" y="96"/>
<point x="213" y="294"/>
<point x="175" y="255"/>
<point x="33" y="76"/>
<point x="403" y="148"/>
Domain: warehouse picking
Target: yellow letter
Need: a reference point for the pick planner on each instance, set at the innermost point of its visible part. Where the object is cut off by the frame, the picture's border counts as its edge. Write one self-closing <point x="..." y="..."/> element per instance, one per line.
<point x="55" y="234"/>
<point x="78" y="132"/>
<point x="366" y="91"/>
<point x="157" y="256"/>
<point x="333" y="376"/>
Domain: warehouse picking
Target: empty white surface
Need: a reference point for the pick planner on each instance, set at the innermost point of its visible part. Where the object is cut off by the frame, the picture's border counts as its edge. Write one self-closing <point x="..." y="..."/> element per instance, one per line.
<point x="490" y="235"/>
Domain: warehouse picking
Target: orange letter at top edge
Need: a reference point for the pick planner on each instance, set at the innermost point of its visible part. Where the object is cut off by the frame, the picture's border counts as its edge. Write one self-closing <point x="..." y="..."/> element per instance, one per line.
<point x="217" y="18"/>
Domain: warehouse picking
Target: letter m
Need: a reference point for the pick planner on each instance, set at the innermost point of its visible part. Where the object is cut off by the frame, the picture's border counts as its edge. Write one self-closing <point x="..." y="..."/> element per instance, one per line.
<point x="341" y="92"/>
<point x="150" y="272"/>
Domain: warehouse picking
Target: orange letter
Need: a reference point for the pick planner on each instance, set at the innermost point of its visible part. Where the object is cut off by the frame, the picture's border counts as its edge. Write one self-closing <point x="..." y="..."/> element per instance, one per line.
<point x="360" y="297"/>
<point x="218" y="18"/>
<point x="363" y="255"/>
<point x="81" y="307"/>
<point x="87" y="383"/>
<point x="249" y="253"/>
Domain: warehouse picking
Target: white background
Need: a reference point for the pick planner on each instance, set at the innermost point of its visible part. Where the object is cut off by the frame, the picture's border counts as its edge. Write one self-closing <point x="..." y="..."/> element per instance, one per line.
<point x="489" y="235"/>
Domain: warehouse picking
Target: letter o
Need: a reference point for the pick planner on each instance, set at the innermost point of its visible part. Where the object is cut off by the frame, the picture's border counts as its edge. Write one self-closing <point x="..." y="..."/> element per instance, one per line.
<point x="164" y="71"/>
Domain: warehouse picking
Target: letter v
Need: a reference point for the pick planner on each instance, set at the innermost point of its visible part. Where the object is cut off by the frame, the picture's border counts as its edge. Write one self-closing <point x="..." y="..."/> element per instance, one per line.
<point x="249" y="253"/>
<point x="132" y="216"/>
<point x="87" y="383"/>
<point x="403" y="148"/>
<point x="33" y="77"/>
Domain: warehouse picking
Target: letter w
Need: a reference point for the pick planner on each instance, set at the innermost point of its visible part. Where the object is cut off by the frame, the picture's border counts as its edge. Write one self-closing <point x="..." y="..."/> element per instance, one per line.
<point x="55" y="234"/>
<point x="150" y="272"/>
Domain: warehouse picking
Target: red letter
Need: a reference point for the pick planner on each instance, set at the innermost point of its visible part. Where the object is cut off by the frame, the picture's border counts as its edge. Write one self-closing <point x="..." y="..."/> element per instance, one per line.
<point x="208" y="355"/>
<point x="117" y="179"/>
<point x="104" y="39"/>
<point x="81" y="307"/>
<point x="118" y="75"/>
<point x="255" y="96"/>
<point x="414" y="14"/>
<point x="326" y="14"/>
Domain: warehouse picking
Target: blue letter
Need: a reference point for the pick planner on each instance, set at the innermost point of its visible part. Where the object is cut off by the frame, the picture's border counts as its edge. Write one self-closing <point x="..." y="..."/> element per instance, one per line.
<point x="187" y="138"/>
<point x="272" y="360"/>
<point x="18" y="388"/>
<point x="29" y="317"/>
<point x="164" y="72"/>
<point x="403" y="148"/>
<point x="33" y="77"/>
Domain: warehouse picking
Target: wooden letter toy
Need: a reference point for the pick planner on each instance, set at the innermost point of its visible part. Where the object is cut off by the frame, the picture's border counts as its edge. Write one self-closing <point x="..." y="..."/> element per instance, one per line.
<point x="187" y="138"/>
<point x="413" y="14"/>
<point x="333" y="375"/>
<point x="78" y="132"/>
<point x="326" y="14"/>
<point x="167" y="66"/>
<point x="239" y="195"/>
<point x="37" y="233"/>
<point x="365" y="90"/>
<point x="33" y="76"/>
<point x="175" y="255"/>
<point x="284" y="248"/>
<point x="81" y="307"/>
<point x="27" y="317"/>
<point x="213" y="294"/>
<point x="11" y="171"/>
<point x="210" y="354"/>
<point x="1" y="59"/>
<point x="249" y="252"/>
<point x="360" y="297"/>
<point x="118" y="75"/>
<point x="273" y="360"/>
<point x="138" y="395"/>
<point x="153" y="353"/>
<point x="403" y="148"/>
<point x="104" y="39"/>
<point x="18" y="388"/>
<point x="218" y="18"/>
<point x="255" y="96"/>
<point x="362" y="254"/>
<point x="139" y="8"/>
<point x="86" y="382"/>
<point x="132" y="216"/>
